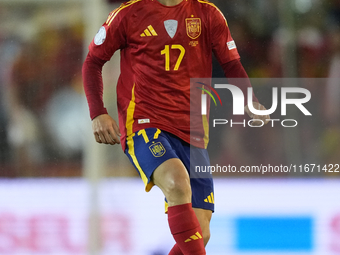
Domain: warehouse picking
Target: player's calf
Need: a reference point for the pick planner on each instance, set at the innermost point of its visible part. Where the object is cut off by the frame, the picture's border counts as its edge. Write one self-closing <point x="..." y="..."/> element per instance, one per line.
<point x="186" y="229"/>
<point x="204" y="217"/>
<point x="173" y="179"/>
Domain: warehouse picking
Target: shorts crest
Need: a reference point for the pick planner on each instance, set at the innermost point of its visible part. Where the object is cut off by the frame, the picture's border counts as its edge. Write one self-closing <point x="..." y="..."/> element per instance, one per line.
<point x="157" y="149"/>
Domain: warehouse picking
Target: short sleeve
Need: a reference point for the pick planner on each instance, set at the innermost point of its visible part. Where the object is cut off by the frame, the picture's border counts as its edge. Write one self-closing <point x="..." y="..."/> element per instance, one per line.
<point x="223" y="44"/>
<point x="110" y="37"/>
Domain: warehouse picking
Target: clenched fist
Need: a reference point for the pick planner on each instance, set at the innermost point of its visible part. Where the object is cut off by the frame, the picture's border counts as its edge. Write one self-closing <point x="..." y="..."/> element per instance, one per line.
<point x="106" y="130"/>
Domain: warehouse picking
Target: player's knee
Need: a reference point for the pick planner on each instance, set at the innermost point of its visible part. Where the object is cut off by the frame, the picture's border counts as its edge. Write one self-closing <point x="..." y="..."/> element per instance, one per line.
<point x="178" y="188"/>
<point x="173" y="179"/>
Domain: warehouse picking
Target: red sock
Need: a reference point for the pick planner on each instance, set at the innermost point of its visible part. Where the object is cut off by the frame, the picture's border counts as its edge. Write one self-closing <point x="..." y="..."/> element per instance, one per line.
<point x="186" y="229"/>
<point x="175" y="250"/>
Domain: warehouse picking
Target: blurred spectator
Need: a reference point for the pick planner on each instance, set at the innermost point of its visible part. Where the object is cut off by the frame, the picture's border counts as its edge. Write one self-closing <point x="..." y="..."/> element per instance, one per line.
<point x="44" y="66"/>
<point x="311" y="45"/>
<point x="333" y="84"/>
<point x="8" y="51"/>
<point x="67" y="120"/>
<point x="331" y="134"/>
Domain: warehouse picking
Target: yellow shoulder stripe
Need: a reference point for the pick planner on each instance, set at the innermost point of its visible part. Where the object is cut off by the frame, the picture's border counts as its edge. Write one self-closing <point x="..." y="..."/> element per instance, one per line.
<point x="115" y="12"/>
<point x="111" y="14"/>
<point x="206" y="2"/>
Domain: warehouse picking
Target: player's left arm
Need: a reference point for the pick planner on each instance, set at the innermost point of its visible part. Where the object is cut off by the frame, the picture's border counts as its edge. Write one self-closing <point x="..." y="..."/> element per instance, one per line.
<point x="234" y="70"/>
<point x="226" y="53"/>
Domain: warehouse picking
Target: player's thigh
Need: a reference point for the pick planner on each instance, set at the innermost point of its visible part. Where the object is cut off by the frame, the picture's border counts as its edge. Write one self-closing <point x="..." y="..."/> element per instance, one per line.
<point x="149" y="150"/>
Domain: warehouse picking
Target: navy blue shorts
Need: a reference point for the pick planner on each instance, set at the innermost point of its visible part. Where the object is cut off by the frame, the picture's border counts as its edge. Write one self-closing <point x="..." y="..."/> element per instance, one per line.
<point x="149" y="148"/>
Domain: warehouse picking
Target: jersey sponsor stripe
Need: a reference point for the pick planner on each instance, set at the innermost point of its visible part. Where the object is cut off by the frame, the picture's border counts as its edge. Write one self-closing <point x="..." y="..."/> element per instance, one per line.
<point x="131" y="151"/>
<point x="121" y="8"/>
<point x="206" y="130"/>
<point x="129" y="113"/>
<point x="129" y="139"/>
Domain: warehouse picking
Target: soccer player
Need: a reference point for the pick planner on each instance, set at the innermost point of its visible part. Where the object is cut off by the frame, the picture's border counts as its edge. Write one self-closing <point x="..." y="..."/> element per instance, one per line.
<point x="163" y="43"/>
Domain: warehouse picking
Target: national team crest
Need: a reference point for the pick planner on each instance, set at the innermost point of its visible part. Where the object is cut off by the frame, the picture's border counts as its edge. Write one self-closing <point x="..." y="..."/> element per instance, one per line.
<point x="194" y="27"/>
<point x="157" y="149"/>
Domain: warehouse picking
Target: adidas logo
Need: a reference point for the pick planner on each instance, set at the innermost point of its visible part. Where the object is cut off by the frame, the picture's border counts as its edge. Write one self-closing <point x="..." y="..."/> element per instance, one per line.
<point x="194" y="237"/>
<point x="150" y="31"/>
<point x="210" y="199"/>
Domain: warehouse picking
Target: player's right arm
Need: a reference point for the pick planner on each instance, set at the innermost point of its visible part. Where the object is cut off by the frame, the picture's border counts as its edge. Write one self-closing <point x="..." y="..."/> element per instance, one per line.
<point x="109" y="38"/>
<point x="105" y="129"/>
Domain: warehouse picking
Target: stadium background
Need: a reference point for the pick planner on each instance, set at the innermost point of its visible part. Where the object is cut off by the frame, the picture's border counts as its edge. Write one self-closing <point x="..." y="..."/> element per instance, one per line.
<point x="60" y="193"/>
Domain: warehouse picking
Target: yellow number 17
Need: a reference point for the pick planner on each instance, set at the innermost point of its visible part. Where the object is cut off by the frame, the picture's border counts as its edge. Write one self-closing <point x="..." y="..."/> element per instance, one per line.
<point x="166" y="52"/>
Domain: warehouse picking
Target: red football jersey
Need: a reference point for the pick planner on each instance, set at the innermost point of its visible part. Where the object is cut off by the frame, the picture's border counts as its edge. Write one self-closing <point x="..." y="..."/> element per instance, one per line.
<point x="162" y="47"/>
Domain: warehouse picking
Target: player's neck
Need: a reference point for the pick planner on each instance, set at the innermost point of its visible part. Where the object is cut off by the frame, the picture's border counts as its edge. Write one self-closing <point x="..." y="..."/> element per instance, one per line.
<point x="170" y="2"/>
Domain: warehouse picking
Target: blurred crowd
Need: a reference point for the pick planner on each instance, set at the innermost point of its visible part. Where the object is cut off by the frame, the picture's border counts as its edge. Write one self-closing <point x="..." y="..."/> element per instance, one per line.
<point x="42" y="101"/>
<point x="307" y="46"/>
<point x="43" y="112"/>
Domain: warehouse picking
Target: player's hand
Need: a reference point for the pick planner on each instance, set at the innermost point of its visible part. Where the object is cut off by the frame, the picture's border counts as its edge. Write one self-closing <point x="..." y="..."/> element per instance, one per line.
<point x="106" y="130"/>
<point x="256" y="118"/>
